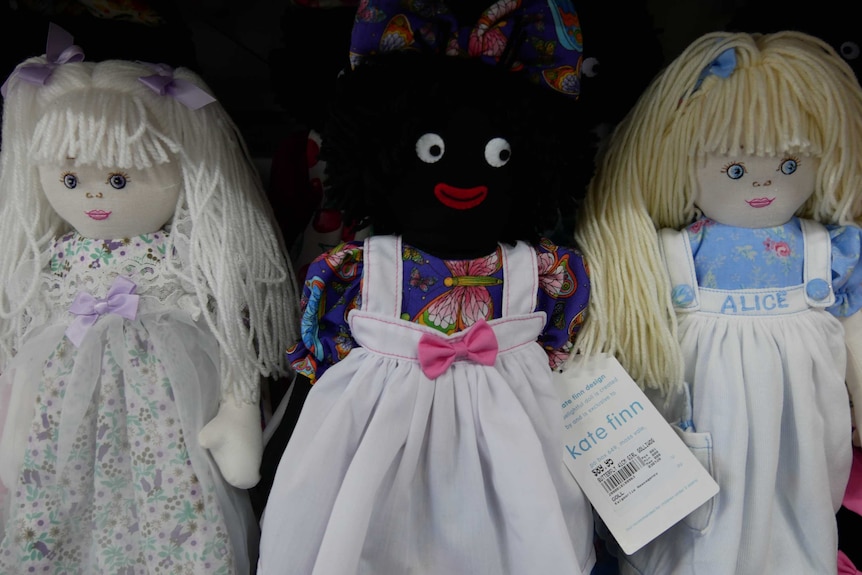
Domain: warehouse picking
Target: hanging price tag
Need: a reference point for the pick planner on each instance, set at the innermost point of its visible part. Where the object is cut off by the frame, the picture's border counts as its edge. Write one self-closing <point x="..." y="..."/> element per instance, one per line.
<point x="632" y="466"/>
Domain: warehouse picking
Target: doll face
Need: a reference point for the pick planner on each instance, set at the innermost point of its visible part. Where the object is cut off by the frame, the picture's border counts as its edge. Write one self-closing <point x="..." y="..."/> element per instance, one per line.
<point x="456" y="198"/>
<point x="106" y="203"/>
<point x="754" y="191"/>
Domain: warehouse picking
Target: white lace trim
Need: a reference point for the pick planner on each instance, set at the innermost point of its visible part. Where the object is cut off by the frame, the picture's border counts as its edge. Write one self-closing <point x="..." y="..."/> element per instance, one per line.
<point x="61" y="281"/>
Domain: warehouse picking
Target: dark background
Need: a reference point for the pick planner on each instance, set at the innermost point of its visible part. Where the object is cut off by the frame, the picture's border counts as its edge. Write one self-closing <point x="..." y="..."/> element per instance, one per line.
<point x="271" y="62"/>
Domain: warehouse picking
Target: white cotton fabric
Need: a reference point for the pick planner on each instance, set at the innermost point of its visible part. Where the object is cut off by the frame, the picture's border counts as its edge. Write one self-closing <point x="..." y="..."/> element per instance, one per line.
<point x="770" y="391"/>
<point x="390" y="473"/>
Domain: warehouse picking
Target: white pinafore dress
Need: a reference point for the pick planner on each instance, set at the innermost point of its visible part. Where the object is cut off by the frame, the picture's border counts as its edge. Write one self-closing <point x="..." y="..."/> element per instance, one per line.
<point x="391" y="473"/>
<point x="766" y="369"/>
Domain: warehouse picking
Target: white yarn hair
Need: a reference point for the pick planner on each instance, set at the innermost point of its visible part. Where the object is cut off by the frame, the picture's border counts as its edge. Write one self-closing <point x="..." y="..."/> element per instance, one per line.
<point x="790" y="93"/>
<point x="223" y="237"/>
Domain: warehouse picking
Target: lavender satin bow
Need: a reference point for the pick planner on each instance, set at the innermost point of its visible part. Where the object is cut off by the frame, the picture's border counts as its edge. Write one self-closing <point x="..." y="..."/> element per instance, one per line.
<point x="539" y="37"/>
<point x="164" y="83"/>
<point x="58" y="50"/>
<point x="120" y="300"/>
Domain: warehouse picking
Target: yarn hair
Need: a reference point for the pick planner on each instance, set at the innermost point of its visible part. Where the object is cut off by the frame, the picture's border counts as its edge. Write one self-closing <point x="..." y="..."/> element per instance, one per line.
<point x="790" y="93"/>
<point x="222" y="241"/>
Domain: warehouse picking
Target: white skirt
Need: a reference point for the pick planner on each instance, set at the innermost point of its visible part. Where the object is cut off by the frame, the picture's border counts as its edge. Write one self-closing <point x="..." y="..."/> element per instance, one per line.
<point x="770" y="391"/>
<point x="390" y="473"/>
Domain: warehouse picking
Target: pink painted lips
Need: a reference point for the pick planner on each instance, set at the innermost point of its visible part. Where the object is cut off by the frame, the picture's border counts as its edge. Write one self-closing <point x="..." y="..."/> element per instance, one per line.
<point x="759" y="202"/>
<point x="460" y="198"/>
<point x="98" y="214"/>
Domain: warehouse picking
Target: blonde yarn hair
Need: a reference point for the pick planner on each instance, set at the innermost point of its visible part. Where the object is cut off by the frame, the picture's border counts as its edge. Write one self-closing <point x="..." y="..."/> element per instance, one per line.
<point x="789" y="93"/>
<point x="223" y="238"/>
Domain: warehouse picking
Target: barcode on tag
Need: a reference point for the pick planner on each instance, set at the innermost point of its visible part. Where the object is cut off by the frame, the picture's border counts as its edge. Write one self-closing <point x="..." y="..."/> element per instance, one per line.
<point x="613" y="480"/>
<point x="613" y="475"/>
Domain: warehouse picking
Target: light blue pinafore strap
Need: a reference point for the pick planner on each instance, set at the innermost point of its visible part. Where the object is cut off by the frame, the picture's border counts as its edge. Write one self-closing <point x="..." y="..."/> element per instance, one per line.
<point x="815" y="291"/>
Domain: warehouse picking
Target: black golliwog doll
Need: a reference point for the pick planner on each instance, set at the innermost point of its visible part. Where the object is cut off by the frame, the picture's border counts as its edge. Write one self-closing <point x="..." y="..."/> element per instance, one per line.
<point x="430" y="441"/>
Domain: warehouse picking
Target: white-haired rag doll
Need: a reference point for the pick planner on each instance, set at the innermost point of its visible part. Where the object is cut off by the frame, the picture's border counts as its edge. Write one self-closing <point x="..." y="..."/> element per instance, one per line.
<point x="145" y="294"/>
<point x="720" y="231"/>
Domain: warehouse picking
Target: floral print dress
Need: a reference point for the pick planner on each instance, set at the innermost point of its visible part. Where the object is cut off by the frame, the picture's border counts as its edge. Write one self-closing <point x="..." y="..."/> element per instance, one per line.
<point x="101" y="434"/>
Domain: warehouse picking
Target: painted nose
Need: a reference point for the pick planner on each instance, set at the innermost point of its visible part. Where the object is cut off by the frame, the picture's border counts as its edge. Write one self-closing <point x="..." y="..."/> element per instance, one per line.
<point x="96" y="195"/>
<point x="758" y="184"/>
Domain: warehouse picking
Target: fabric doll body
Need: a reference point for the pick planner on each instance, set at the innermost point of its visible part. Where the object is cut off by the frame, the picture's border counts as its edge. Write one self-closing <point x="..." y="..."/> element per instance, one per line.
<point x="741" y="312"/>
<point x="392" y="470"/>
<point x="111" y="476"/>
<point x="144" y="295"/>
<point x="753" y="344"/>
<point x="764" y="357"/>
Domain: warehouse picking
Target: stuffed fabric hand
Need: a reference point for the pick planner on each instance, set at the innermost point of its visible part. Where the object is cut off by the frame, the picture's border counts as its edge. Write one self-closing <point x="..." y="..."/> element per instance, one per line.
<point x="853" y="337"/>
<point x="235" y="440"/>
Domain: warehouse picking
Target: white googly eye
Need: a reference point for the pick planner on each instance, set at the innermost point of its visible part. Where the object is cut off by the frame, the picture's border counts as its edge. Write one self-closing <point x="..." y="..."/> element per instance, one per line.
<point x="497" y="152"/>
<point x="590" y="67"/>
<point x="430" y="148"/>
<point x="849" y="50"/>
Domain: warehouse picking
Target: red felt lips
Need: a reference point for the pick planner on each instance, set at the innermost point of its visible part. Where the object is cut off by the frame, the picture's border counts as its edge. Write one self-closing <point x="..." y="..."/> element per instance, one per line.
<point x="460" y="198"/>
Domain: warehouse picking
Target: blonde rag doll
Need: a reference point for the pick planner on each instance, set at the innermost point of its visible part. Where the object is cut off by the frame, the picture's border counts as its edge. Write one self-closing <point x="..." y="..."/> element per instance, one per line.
<point x="145" y="294"/>
<point x="751" y="147"/>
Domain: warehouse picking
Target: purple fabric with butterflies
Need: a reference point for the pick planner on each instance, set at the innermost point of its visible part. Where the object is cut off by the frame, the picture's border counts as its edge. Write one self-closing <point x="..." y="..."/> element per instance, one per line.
<point x="448" y="295"/>
<point x="539" y="38"/>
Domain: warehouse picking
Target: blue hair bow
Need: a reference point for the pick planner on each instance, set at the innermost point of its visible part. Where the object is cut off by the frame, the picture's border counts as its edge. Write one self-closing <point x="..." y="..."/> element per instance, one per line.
<point x="723" y="66"/>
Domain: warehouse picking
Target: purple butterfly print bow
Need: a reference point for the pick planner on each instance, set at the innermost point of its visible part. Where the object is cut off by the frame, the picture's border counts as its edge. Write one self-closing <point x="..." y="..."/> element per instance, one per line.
<point x="539" y="37"/>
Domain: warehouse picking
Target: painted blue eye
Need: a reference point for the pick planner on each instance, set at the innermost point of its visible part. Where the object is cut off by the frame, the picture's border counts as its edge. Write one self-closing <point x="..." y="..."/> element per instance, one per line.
<point x="117" y="181"/>
<point x="735" y="171"/>
<point x="788" y="166"/>
<point x="70" y="181"/>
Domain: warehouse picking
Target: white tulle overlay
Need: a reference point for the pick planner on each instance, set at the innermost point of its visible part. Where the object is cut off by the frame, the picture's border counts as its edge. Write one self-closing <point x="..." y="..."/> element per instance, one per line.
<point x="770" y="390"/>
<point x="388" y="472"/>
<point x="99" y="447"/>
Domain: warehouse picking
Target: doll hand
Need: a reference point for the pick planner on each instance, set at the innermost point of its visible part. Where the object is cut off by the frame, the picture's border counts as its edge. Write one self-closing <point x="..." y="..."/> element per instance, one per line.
<point x="235" y="440"/>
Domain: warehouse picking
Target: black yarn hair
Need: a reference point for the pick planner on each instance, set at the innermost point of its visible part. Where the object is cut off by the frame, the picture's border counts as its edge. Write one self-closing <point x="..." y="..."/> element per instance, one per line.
<point x="380" y="107"/>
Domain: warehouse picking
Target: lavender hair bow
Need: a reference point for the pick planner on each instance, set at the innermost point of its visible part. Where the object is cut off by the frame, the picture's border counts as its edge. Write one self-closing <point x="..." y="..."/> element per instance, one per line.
<point x="58" y="50"/>
<point x="540" y="37"/>
<point x="164" y="83"/>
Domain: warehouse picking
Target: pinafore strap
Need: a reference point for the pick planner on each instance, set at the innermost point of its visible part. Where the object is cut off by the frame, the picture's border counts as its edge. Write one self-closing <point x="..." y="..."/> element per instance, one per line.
<point x="815" y="291"/>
